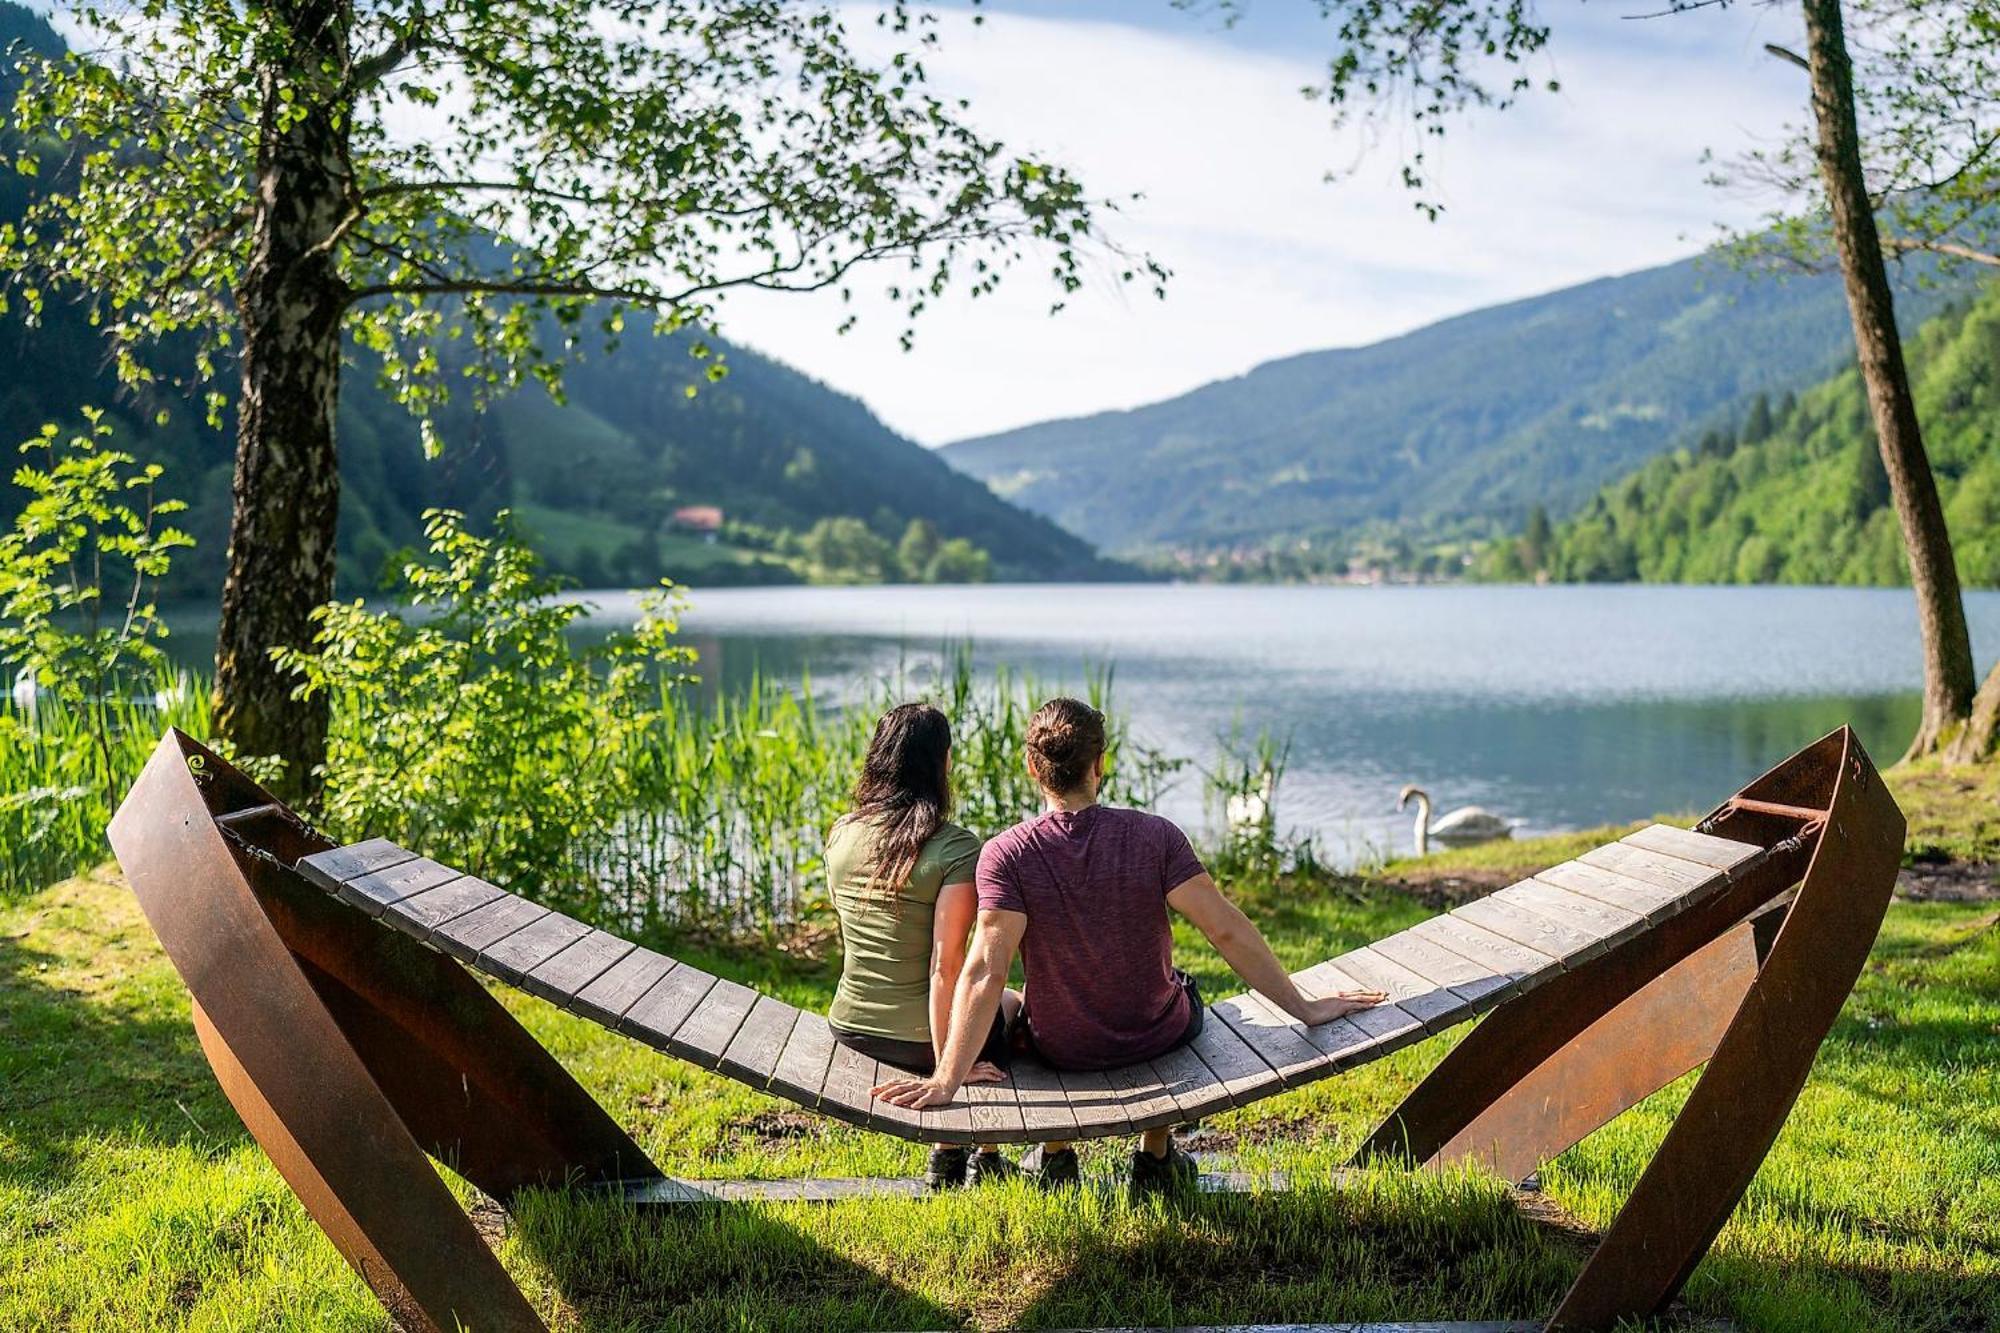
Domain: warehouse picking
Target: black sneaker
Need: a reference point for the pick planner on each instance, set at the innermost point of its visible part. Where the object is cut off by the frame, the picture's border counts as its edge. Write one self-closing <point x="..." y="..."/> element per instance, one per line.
<point x="989" y="1168"/>
<point x="1176" y="1173"/>
<point x="947" y="1169"/>
<point x="1052" y="1170"/>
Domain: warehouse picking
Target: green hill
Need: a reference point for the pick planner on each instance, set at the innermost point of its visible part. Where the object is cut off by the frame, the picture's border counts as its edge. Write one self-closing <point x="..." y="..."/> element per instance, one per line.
<point x="596" y="480"/>
<point x="1798" y="495"/>
<point x="1461" y="426"/>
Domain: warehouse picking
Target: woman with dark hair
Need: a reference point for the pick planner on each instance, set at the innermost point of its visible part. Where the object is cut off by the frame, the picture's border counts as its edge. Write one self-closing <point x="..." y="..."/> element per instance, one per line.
<point x="901" y="876"/>
<point x="1083" y="893"/>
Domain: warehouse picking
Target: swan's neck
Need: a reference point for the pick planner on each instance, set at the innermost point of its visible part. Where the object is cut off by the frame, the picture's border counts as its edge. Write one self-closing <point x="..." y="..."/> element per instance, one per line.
<point x="1423" y="823"/>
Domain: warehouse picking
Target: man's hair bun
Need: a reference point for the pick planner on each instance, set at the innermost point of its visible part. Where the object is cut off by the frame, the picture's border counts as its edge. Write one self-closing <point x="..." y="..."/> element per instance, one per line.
<point x="1065" y="737"/>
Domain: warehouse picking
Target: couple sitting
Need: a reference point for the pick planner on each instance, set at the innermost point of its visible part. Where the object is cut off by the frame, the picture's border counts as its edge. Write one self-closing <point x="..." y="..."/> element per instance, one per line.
<point x="1081" y="891"/>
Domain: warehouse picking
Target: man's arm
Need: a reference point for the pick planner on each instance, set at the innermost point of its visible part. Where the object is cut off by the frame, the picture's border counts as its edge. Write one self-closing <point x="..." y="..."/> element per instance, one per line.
<point x="1245" y="949"/>
<point x="979" y="988"/>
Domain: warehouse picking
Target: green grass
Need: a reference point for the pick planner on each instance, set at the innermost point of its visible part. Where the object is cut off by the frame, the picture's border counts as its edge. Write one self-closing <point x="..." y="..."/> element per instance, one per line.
<point x="130" y="1196"/>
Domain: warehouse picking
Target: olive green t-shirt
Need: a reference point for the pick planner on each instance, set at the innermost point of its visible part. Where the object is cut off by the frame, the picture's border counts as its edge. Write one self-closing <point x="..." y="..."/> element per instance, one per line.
<point x="885" y="971"/>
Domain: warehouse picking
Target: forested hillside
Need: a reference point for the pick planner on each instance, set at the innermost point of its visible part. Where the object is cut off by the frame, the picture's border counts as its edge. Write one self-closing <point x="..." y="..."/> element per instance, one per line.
<point x="1798" y="494"/>
<point x="1465" y="424"/>
<point x="596" y="480"/>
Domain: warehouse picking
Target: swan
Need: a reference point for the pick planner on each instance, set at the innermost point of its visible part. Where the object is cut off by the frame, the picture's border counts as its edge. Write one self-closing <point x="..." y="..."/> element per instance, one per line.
<point x="1248" y="811"/>
<point x="1462" y="827"/>
<point x="26" y="690"/>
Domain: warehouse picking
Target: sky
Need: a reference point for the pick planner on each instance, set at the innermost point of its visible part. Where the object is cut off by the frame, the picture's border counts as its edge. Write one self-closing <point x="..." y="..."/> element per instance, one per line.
<point x="1208" y="123"/>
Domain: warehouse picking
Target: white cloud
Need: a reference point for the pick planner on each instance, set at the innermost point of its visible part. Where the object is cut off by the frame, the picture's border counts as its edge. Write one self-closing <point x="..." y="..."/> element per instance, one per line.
<point x="1270" y="259"/>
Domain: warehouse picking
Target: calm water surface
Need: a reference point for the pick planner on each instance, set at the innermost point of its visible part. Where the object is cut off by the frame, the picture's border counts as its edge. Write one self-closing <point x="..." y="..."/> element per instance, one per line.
<point x="1557" y="707"/>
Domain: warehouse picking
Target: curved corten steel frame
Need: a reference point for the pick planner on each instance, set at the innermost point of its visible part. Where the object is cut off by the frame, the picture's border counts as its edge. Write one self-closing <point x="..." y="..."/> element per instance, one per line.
<point x="351" y="1051"/>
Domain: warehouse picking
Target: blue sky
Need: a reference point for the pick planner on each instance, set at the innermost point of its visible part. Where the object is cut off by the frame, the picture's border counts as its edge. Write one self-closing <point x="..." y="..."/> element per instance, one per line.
<point x="1269" y="258"/>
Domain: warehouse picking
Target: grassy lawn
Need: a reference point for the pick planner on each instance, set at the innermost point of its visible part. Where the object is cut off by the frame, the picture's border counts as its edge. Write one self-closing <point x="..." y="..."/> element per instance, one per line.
<point x="130" y="1196"/>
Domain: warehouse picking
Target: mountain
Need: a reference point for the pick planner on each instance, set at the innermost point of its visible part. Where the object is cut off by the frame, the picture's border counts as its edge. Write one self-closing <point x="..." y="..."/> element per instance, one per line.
<point x="1799" y="495"/>
<point x="596" y="480"/>
<point x="1466" y="423"/>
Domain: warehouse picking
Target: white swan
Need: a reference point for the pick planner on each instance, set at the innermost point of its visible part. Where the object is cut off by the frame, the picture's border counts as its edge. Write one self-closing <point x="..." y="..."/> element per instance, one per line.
<point x="1463" y="827"/>
<point x="26" y="690"/>
<point x="1248" y="811"/>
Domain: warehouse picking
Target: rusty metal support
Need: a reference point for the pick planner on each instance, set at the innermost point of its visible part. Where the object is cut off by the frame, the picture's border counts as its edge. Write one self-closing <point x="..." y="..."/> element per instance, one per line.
<point x="348" y="1050"/>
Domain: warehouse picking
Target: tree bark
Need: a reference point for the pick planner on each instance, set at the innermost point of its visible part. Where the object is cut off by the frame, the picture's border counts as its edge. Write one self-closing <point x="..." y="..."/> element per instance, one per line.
<point x="1981" y="734"/>
<point x="1948" y="675"/>
<point x="287" y="483"/>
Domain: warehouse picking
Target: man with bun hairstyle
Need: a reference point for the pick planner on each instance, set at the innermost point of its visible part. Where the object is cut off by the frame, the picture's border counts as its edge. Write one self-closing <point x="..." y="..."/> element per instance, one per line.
<point x="1081" y="891"/>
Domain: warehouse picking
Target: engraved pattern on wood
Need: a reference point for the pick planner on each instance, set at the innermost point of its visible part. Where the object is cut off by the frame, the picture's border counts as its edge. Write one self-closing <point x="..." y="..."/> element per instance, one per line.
<point x="707" y="1032"/>
<point x="1097" y="1106"/>
<point x="1145" y="1100"/>
<point x="1044" y="1111"/>
<point x="421" y="913"/>
<point x="1192" y="1084"/>
<point x="376" y="891"/>
<point x="801" y="1069"/>
<point x="1638" y="896"/>
<point x="1429" y="1003"/>
<point x="850" y="1078"/>
<point x="329" y="869"/>
<point x="1387" y="1025"/>
<point x="1523" y="967"/>
<point x="657" y="1014"/>
<point x="996" y="1112"/>
<point x="1243" y="1074"/>
<point x="1281" y="1042"/>
<point x="465" y="936"/>
<point x="753" y="1052"/>
<point x="558" y="979"/>
<point x="1502" y="914"/>
<point x="1441" y="967"/>
<point x="1685" y="878"/>
<point x="526" y="949"/>
<point x="1611" y="924"/>
<point x="1701" y="848"/>
<point x="623" y="983"/>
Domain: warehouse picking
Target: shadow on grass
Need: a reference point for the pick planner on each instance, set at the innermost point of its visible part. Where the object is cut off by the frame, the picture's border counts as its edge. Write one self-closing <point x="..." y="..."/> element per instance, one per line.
<point x="76" y="1067"/>
<point x="701" y="1266"/>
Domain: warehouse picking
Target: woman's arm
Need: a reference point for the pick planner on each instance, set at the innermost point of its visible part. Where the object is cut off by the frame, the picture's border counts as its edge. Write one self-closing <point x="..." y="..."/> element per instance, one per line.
<point x="951" y="927"/>
<point x="1245" y="949"/>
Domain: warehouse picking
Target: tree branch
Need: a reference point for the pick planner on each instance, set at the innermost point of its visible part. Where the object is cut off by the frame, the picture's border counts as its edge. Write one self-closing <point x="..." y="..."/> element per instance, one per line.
<point x="446" y="187"/>
<point x="1906" y="244"/>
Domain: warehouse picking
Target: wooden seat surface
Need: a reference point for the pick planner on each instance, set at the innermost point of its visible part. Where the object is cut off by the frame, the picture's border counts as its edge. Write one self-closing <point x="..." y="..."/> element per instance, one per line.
<point x="1438" y="973"/>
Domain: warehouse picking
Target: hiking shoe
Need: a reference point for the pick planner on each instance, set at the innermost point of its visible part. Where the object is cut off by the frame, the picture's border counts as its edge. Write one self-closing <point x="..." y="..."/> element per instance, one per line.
<point x="1176" y="1173"/>
<point x="1052" y="1170"/>
<point x="989" y="1168"/>
<point x="946" y="1171"/>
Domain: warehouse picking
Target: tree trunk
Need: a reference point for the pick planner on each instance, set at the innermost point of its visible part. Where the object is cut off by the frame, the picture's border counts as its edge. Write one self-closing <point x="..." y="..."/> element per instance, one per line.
<point x="287" y="481"/>
<point x="1948" y="678"/>
<point x="1981" y="736"/>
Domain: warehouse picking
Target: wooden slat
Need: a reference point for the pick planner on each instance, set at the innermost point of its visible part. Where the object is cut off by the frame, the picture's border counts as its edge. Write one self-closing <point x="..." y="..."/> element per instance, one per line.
<point x="1608" y="923"/>
<point x="850" y="1078"/>
<point x="1243" y="1074"/>
<point x="707" y="1032"/>
<point x="752" y="1054"/>
<point x="1668" y="872"/>
<point x="1435" y="1006"/>
<point x="801" y="1069"/>
<point x="655" y="1016"/>
<point x="1651" y="901"/>
<point x="421" y="913"/>
<point x="1525" y="968"/>
<point x="1192" y="1084"/>
<point x="330" y="869"/>
<point x="1701" y="848"/>
<point x="623" y="983"/>
<point x="951" y="1123"/>
<point x="374" y="892"/>
<point x="1098" y="1107"/>
<point x="1144" y="1097"/>
<point x="1277" y="1039"/>
<point x="1464" y="978"/>
<point x="1045" y="1112"/>
<point x="559" y="978"/>
<point x="1375" y="1031"/>
<point x="463" y="937"/>
<point x="996" y="1112"/>
<point x="1559" y="937"/>
<point x="520" y="953"/>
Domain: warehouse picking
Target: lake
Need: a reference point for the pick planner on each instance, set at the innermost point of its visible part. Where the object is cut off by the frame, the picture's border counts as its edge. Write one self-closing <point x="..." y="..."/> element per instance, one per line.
<point x="1558" y="707"/>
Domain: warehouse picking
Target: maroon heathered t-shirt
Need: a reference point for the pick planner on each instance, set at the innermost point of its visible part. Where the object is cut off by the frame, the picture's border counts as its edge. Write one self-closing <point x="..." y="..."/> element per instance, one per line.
<point x="1098" y="950"/>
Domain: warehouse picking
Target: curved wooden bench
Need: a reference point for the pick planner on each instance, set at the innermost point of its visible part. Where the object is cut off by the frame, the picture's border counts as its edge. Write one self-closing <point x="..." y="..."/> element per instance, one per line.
<point x="333" y="999"/>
